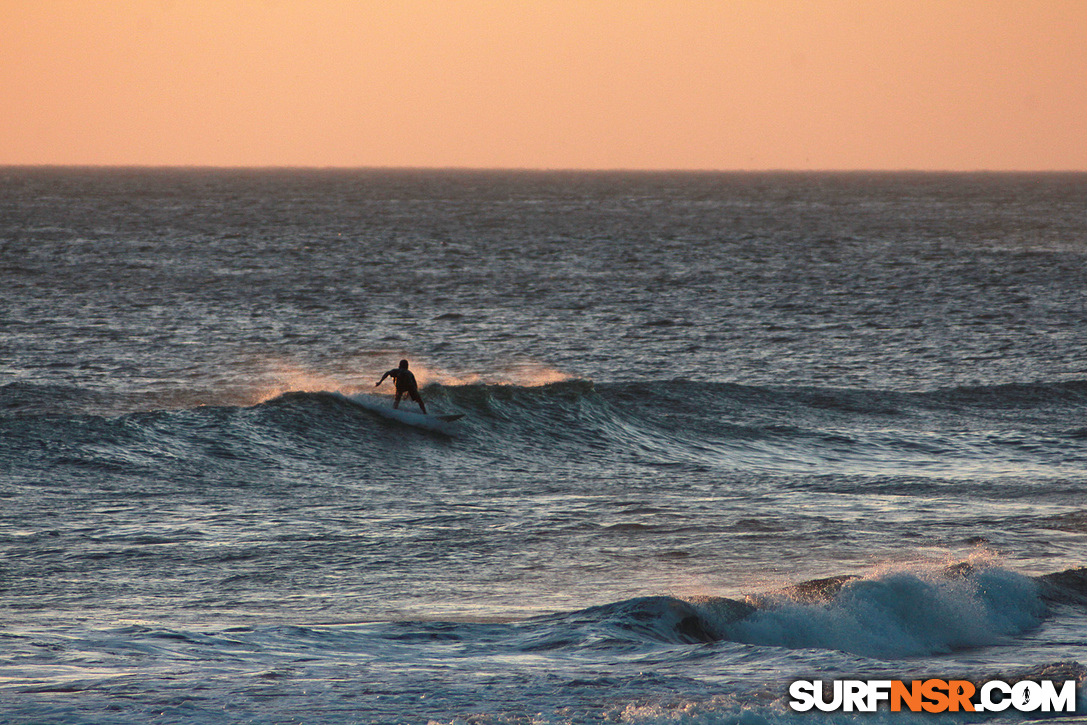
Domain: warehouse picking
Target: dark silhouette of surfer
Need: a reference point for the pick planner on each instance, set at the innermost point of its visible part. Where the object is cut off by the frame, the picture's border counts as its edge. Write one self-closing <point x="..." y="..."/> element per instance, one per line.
<point x="405" y="383"/>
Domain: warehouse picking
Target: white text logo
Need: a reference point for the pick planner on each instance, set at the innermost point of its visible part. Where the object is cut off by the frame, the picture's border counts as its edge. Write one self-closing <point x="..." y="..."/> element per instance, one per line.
<point x="933" y="696"/>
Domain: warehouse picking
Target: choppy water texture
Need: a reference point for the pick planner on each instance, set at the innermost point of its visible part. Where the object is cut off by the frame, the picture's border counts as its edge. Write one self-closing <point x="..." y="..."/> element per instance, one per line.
<point x="721" y="432"/>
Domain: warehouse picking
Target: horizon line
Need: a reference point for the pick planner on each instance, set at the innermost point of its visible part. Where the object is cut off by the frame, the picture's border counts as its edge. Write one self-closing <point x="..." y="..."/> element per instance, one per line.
<point x="533" y="169"/>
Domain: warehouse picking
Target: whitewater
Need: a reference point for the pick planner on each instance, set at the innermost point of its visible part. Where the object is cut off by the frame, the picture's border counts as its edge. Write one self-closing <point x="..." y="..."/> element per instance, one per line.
<point x="721" y="432"/>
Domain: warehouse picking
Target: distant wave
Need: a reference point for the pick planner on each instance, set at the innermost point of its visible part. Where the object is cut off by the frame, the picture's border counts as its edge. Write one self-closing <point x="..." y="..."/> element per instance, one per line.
<point x="671" y="396"/>
<point x="1016" y="430"/>
<point x="1005" y="430"/>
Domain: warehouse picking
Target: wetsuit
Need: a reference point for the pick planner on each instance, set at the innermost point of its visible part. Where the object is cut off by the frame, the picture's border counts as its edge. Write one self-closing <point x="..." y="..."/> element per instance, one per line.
<point x="405" y="383"/>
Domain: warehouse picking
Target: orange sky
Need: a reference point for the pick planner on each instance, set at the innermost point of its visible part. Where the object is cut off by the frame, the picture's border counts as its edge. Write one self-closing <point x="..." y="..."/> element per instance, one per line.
<point x="649" y="84"/>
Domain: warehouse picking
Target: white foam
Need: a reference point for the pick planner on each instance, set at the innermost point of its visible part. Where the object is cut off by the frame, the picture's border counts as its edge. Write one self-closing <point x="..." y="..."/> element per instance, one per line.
<point x="902" y="614"/>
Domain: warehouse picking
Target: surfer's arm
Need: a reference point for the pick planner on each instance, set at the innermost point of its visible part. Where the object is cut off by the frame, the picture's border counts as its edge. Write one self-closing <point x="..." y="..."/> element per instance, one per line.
<point x="379" y="382"/>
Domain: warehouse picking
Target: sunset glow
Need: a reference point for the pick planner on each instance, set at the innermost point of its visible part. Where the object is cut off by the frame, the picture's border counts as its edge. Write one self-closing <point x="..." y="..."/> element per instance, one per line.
<point x="649" y="84"/>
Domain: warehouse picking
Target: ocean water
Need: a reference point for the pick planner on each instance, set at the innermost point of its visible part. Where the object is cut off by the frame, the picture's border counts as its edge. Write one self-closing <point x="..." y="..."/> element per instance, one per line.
<point x="721" y="432"/>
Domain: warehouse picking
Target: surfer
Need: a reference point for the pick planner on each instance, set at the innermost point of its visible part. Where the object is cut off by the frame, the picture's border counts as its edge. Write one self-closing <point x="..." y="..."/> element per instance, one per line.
<point x="405" y="383"/>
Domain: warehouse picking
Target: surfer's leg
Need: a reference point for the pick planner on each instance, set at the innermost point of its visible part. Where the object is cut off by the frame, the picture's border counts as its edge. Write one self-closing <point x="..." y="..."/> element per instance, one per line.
<point x="396" y="400"/>
<point x="418" y="399"/>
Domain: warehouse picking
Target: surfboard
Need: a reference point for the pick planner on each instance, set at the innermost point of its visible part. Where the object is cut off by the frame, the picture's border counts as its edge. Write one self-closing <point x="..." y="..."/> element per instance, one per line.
<point x="381" y="406"/>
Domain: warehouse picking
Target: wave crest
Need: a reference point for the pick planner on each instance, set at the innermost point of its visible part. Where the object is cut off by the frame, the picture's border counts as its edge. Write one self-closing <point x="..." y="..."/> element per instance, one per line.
<point x="894" y="615"/>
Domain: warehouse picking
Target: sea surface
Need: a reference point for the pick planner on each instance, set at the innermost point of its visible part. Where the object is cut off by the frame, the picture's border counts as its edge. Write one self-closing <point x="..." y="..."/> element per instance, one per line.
<point x="721" y="432"/>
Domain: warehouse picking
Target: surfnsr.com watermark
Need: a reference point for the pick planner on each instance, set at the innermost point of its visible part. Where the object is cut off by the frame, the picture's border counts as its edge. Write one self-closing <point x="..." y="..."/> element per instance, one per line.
<point x="933" y="696"/>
